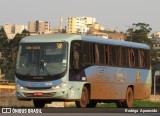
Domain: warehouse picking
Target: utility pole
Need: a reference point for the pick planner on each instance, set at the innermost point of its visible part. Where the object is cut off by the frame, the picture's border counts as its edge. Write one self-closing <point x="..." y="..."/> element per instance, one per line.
<point x="157" y="73"/>
<point x="60" y="28"/>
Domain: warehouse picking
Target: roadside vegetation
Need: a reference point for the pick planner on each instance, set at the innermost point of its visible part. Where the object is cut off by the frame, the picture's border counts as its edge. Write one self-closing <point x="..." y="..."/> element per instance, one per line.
<point x="137" y="104"/>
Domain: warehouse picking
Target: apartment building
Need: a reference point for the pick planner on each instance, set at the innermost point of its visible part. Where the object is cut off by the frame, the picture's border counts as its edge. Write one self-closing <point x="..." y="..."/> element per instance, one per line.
<point x="39" y="27"/>
<point x="89" y="20"/>
<point x="96" y="26"/>
<point x="12" y="29"/>
<point x="156" y="46"/>
<point x="79" y="24"/>
<point x="8" y="28"/>
<point x="17" y="28"/>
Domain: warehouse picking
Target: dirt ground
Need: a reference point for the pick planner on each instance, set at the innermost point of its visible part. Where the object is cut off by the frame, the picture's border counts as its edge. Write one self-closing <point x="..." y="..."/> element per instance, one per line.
<point x="8" y="99"/>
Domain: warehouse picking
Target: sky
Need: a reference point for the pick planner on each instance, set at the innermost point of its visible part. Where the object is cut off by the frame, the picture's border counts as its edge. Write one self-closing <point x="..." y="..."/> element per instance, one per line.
<point x="117" y="14"/>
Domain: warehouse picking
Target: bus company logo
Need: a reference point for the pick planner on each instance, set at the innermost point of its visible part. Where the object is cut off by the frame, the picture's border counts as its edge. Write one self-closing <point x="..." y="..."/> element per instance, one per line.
<point x="6" y="110"/>
<point x="120" y="76"/>
<point x="59" y="45"/>
<point x="100" y="73"/>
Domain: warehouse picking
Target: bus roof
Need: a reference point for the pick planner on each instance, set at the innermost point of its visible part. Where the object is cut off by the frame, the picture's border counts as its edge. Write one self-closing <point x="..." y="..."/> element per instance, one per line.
<point x="69" y="37"/>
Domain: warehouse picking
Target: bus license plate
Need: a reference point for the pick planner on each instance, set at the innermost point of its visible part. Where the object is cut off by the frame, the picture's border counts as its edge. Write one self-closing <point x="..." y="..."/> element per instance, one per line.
<point x="38" y="93"/>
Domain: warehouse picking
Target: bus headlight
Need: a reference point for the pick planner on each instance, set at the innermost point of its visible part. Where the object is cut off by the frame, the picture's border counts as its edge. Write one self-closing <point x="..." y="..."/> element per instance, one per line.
<point x="60" y="85"/>
<point x="20" y="87"/>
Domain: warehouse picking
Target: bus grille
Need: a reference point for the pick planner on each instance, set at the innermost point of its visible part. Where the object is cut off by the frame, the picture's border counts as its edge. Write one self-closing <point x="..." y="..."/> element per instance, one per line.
<point x="38" y="88"/>
<point x="44" y="94"/>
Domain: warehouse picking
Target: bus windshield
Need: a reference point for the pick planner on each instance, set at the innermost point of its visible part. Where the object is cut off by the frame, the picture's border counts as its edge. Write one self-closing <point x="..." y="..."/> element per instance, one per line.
<point x="42" y="59"/>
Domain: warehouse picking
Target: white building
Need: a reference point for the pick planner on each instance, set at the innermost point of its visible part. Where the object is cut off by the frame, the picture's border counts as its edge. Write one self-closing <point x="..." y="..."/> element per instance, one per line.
<point x="8" y="28"/>
<point x="19" y="28"/>
<point x="79" y="24"/>
<point x="83" y="30"/>
<point x="12" y="29"/>
<point x="89" y="20"/>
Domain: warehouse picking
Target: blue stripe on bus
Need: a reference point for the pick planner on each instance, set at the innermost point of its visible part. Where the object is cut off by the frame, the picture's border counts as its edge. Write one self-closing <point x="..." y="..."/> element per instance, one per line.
<point x="39" y="84"/>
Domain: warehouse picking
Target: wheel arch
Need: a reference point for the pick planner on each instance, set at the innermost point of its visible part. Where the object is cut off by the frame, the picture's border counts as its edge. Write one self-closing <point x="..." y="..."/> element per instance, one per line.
<point x="132" y="87"/>
<point x="88" y="85"/>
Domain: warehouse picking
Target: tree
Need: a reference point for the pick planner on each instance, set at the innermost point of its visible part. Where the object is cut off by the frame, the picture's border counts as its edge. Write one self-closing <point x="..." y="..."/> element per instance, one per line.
<point x="25" y="33"/>
<point x="3" y="38"/>
<point x="63" y="30"/>
<point x="139" y="33"/>
<point x="9" y="57"/>
<point x="3" y="44"/>
<point x="14" y="43"/>
<point x="4" y="49"/>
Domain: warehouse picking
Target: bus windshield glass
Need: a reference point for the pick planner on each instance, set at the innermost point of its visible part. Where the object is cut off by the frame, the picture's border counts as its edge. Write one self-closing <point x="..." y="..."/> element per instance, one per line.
<point x="42" y="59"/>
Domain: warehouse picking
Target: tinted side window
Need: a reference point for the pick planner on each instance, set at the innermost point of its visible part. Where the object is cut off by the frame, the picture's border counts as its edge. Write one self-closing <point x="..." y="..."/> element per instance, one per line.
<point x="92" y="52"/>
<point x="136" y="58"/>
<point x="86" y="53"/>
<point x="147" y="58"/>
<point x="124" y="57"/>
<point x="96" y="53"/>
<point x="76" y="55"/>
<point x="107" y="54"/>
<point x="131" y="57"/>
<point x="141" y="58"/>
<point x="101" y="54"/>
<point x="112" y="55"/>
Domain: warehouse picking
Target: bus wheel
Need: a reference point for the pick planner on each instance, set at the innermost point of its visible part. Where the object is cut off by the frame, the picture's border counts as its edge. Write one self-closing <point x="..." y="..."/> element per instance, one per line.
<point x="39" y="103"/>
<point x="128" y="102"/>
<point x="92" y="104"/>
<point x="83" y="102"/>
<point x="120" y="104"/>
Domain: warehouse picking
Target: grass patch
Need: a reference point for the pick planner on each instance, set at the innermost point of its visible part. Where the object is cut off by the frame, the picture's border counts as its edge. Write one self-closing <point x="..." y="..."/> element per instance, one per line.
<point x="145" y="103"/>
<point x="137" y="104"/>
<point x="106" y="105"/>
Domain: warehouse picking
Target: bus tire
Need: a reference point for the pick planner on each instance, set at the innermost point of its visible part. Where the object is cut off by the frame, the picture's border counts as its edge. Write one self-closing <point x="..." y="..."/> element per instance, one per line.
<point x="92" y="104"/>
<point x="120" y="104"/>
<point x="83" y="102"/>
<point x="39" y="103"/>
<point x="128" y="102"/>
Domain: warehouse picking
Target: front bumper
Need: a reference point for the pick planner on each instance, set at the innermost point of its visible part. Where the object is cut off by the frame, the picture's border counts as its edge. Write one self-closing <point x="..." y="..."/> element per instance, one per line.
<point x="47" y="94"/>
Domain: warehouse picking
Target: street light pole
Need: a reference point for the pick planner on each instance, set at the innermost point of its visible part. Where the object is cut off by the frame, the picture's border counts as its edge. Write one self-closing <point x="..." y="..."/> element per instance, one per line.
<point x="157" y="73"/>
